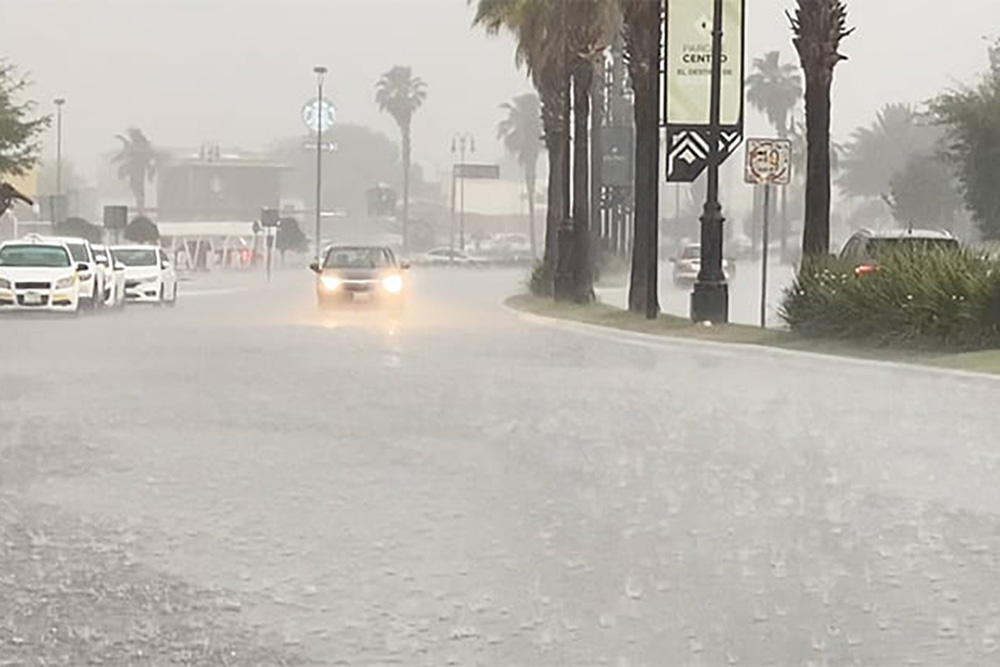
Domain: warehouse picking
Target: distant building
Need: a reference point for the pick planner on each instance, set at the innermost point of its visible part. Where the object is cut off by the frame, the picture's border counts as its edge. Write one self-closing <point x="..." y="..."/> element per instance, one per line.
<point x="216" y="185"/>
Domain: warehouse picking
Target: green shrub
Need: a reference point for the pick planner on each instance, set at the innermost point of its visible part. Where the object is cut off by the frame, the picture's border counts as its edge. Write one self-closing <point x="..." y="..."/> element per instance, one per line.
<point x="540" y="280"/>
<point x="918" y="299"/>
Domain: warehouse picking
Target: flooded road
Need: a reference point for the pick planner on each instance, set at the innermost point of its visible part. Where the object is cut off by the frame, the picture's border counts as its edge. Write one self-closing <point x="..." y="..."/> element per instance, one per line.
<point x="454" y="485"/>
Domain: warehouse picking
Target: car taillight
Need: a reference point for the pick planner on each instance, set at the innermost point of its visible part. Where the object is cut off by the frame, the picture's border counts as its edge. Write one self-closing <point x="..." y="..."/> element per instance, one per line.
<point x="864" y="269"/>
<point x="245" y="255"/>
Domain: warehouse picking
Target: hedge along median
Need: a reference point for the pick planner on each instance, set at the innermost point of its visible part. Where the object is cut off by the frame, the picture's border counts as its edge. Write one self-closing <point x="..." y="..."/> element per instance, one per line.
<point x="809" y="308"/>
<point x="930" y="300"/>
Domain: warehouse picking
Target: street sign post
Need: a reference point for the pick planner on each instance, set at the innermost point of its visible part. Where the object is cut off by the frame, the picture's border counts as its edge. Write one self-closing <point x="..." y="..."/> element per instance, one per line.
<point x="116" y="220"/>
<point x="768" y="162"/>
<point x="462" y="172"/>
<point x="478" y="172"/>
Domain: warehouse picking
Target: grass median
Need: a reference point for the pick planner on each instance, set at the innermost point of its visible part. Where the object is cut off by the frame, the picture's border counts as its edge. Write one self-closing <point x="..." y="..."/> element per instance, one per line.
<point x="603" y="315"/>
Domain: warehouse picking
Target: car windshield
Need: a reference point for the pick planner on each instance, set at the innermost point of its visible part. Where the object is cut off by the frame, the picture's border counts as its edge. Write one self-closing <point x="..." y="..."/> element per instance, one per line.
<point x="691" y="252"/>
<point x="43" y="256"/>
<point x="78" y="251"/>
<point x="136" y="256"/>
<point x="355" y="258"/>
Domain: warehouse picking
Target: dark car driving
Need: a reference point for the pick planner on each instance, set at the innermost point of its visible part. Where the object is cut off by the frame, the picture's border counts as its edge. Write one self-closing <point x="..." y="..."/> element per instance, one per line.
<point x="360" y="274"/>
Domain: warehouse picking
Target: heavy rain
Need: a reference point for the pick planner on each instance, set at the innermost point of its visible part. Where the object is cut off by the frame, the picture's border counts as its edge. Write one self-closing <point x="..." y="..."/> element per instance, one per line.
<point x="499" y="332"/>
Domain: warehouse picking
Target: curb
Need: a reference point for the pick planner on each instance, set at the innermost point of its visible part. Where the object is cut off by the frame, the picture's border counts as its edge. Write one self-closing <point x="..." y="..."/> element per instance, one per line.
<point x="742" y="350"/>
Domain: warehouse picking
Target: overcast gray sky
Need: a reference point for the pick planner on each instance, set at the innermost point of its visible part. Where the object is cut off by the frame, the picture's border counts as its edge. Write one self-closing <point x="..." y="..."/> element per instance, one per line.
<point x="238" y="71"/>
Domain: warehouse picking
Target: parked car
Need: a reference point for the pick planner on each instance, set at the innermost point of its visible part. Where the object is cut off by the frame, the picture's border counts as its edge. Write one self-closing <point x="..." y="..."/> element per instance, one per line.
<point x="351" y="274"/>
<point x="446" y="256"/>
<point x="39" y="274"/>
<point x="687" y="265"/>
<point x="114" y="277"/>
<point x="149" y="275"/>
<point x="91" y="279"/>
<point x="865" y="246"/>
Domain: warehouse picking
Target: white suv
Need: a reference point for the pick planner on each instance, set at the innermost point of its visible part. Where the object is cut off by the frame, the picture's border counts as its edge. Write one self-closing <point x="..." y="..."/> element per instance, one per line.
<point x="149" y="276"/>
<point x="36" y="274"/>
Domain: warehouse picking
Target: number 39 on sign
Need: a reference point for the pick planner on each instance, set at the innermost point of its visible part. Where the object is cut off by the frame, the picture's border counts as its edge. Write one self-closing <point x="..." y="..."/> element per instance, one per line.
<point x="769" y="161"/>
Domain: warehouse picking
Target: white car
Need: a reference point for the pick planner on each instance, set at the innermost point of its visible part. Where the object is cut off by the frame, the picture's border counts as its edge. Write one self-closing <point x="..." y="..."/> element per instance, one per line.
<point x="149" y="275"/>
<point x="687" y="265"/>
<point x="36" y="274"/>
<point x="449" y="257"/>
<point x="114" y="276"/>
<point x="91" y="279"/>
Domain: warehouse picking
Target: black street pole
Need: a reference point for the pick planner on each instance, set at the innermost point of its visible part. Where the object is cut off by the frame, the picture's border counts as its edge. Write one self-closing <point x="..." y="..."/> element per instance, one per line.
<point x="710" y="299"/>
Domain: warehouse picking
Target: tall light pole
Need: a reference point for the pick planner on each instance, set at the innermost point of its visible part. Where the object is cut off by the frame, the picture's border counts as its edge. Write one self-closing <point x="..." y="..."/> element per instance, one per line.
<point x="59" y="102"/>
<point x="710" y="299"/>
<point x="461" y="143"/>
<point x="320" y="73"/>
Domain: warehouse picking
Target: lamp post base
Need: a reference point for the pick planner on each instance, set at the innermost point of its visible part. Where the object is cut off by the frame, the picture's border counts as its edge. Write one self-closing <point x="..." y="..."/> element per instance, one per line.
<point x="710" y="302"/>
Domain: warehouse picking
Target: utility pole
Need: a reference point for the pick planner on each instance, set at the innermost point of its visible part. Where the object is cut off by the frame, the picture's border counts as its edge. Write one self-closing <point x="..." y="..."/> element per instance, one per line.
<point x="710" y="299"/>
<point x="57" y="209"/>
<point x="461" y="143"/>
<point x="320" y="73"/>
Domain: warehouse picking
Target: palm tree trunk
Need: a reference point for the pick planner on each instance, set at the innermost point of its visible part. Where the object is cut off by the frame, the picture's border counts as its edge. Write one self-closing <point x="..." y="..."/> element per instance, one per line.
<point x="563" y="279"/>
<point x="583" y="275"/>
<point x="530" y="181"/>
<point x="597" y="115"/>
<point x="139" y="191"/>
<point x="645" y="73"/>
<point x="816" y="234"/>
<point x="557" y="195"/>
<point x="407" y="146"/>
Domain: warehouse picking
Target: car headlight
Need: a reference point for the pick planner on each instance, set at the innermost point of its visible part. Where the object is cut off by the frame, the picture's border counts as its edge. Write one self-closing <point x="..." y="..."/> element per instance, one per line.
<point x="330" y="283"/>
<point x="66" y="283"/>
<point x="4" y="283"/>
<point x="393" y="284"/>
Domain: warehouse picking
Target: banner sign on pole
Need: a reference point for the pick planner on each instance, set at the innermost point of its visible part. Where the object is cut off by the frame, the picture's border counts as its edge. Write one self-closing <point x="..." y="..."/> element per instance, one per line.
<point x="688" y="84"/>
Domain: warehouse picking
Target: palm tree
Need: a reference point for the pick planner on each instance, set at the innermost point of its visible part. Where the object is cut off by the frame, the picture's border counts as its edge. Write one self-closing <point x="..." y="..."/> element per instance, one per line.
<point x="541" y="36"/>
<point x="642" y="50"/>
<point x="818" y="27"/>
<point x="521" y="132"/>
<point x="592" y="26"/>
<point x="400" y="94"/>
<point x="774" y="89"/>
<point x="876" y="154"/>
<point x="137" y="163"/>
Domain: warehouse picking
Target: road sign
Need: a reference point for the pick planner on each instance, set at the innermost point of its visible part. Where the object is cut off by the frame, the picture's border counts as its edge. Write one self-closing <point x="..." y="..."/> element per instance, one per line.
<point x="328" y="147"/>
<point x="115" y="217"/>
<point x="619" y="149"/>
<point x="487" y="172"/>
<point x="688" y="84"/>
<point x="319" y="115"/>
<point x="269" y="217"/>
<point x="768" y="162"/>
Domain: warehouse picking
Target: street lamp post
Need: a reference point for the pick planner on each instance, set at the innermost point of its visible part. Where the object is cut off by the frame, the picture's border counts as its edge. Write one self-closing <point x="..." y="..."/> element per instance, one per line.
<point x="710" y="299"/>
<point x="320" y="73"/>
<point x="59" y="102"/>
<point x="460" y="144"/>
